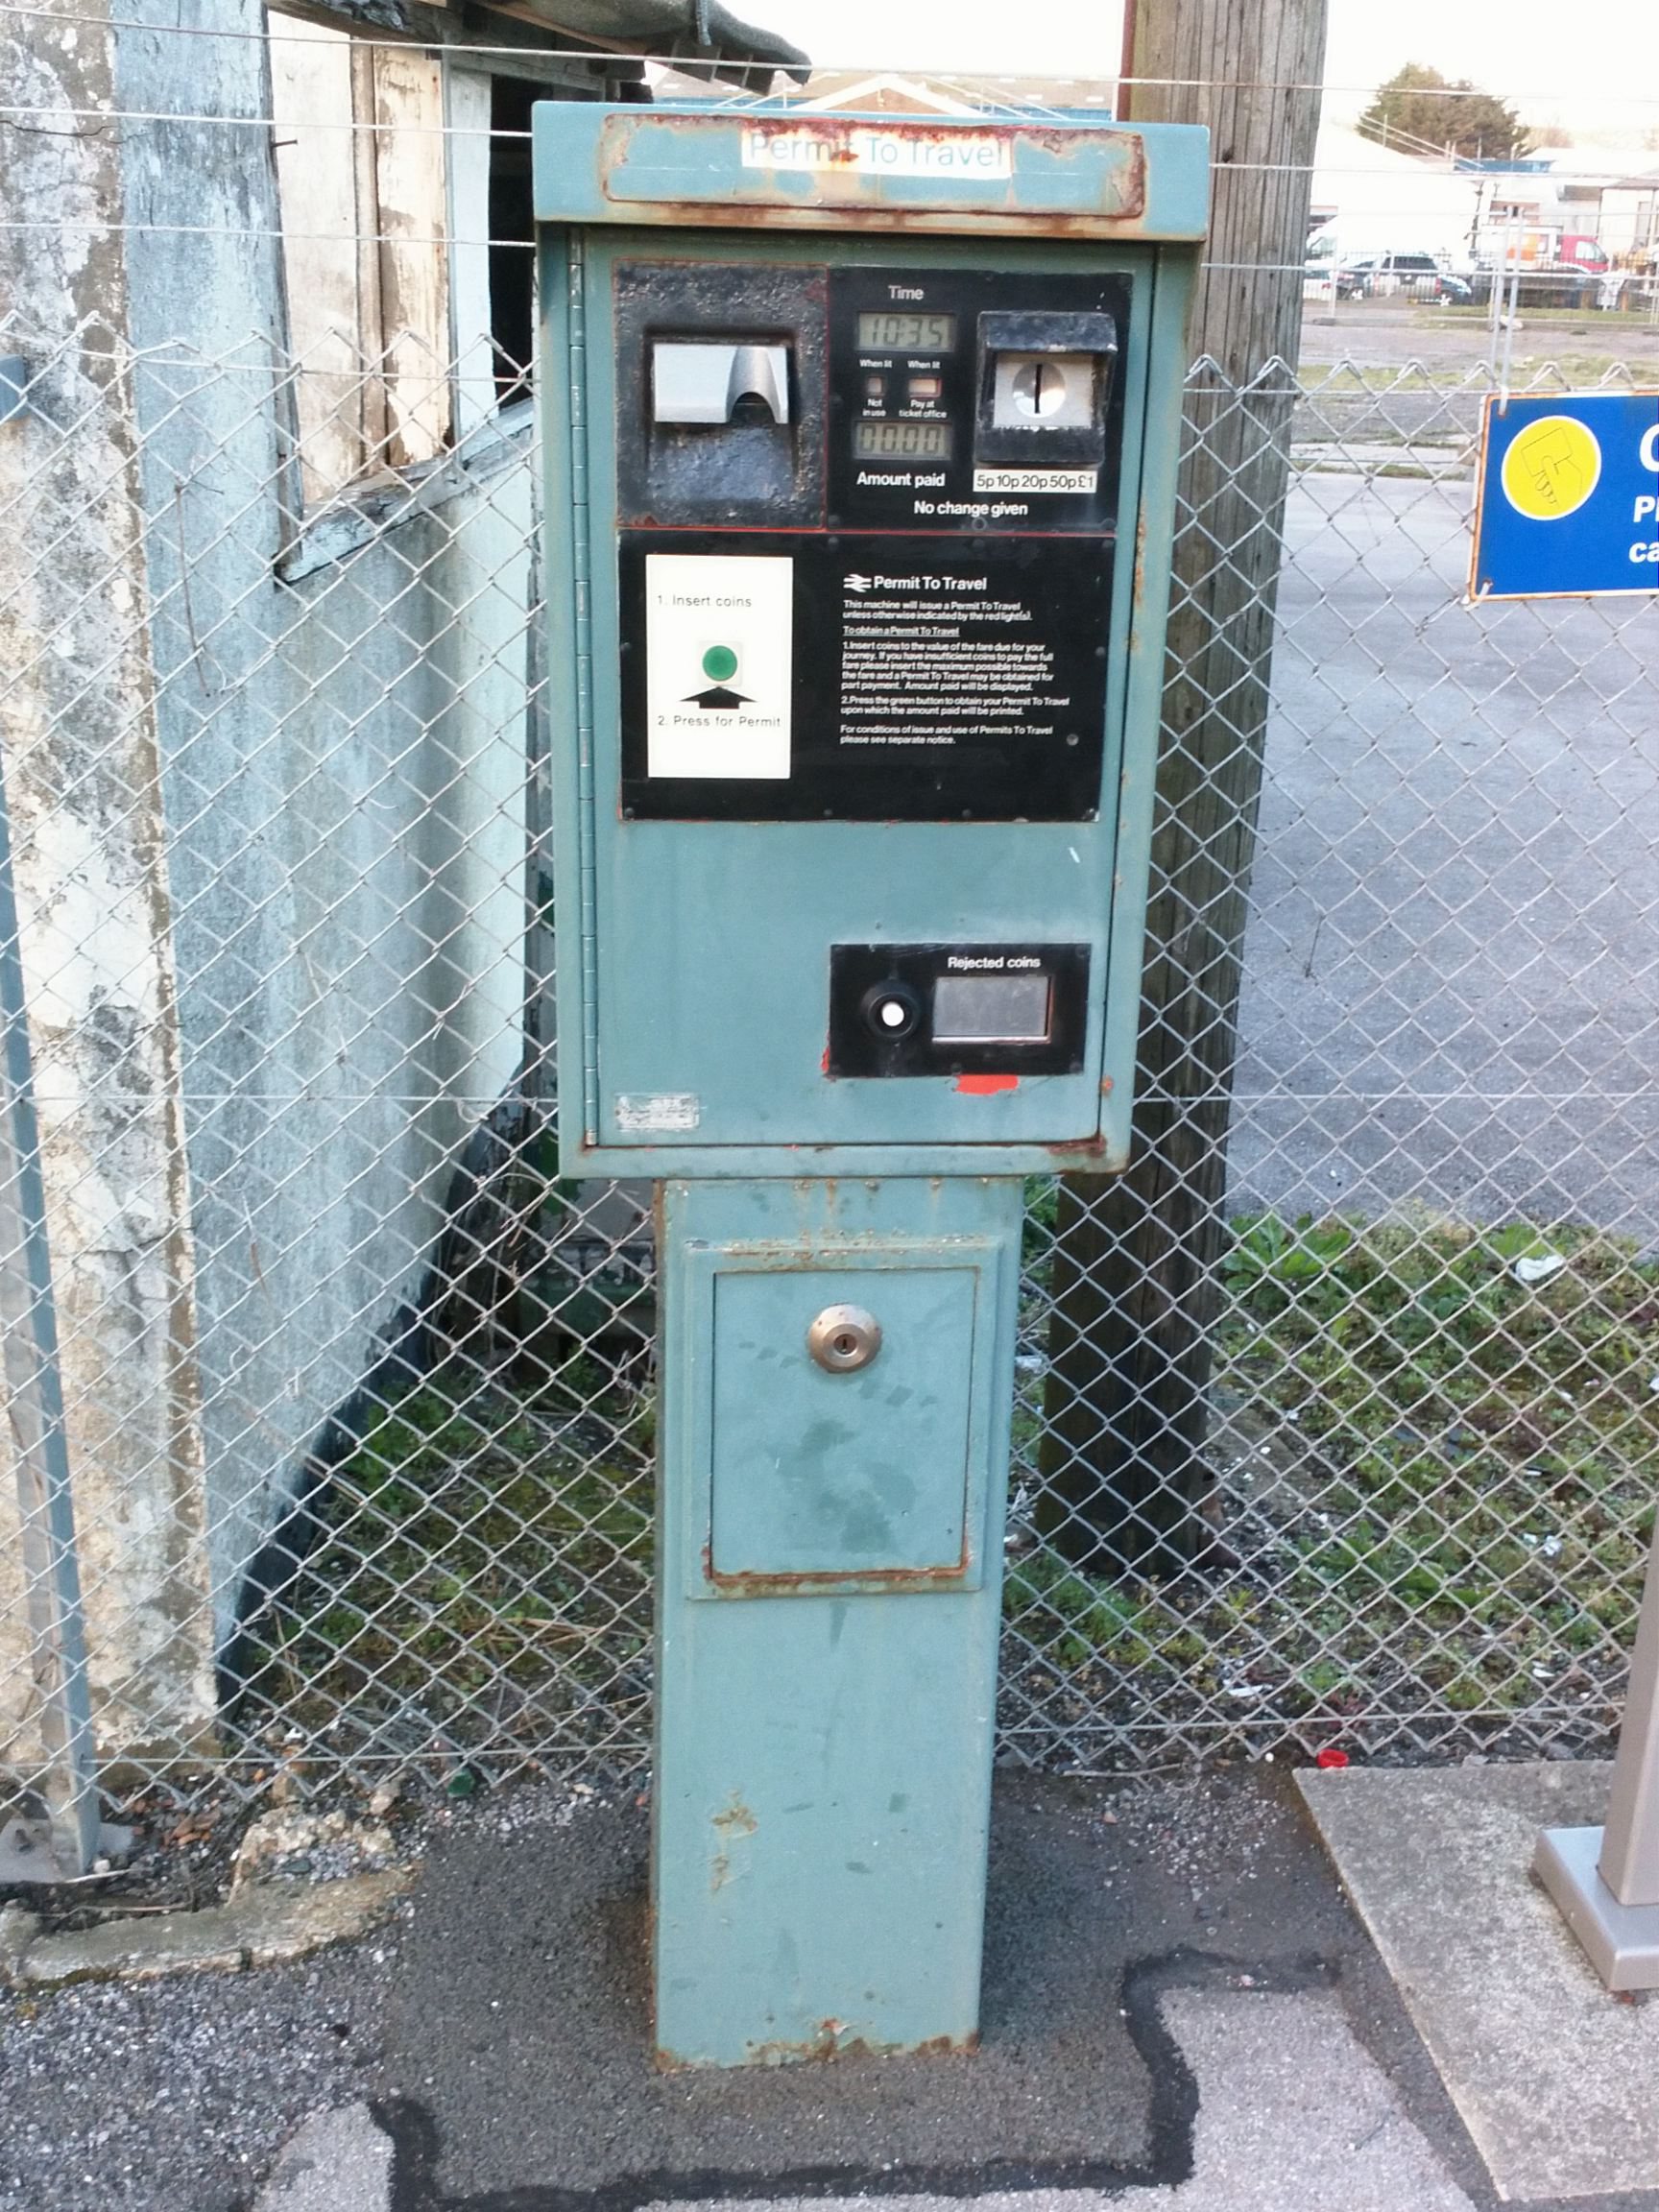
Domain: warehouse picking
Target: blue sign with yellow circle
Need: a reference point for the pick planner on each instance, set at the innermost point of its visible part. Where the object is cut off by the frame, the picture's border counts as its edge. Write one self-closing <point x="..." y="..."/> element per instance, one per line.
<point x="1567" y="495"/>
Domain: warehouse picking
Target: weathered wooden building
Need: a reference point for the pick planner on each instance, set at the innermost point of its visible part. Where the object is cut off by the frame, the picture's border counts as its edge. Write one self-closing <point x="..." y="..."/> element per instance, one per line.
<point x="267" y="697"/>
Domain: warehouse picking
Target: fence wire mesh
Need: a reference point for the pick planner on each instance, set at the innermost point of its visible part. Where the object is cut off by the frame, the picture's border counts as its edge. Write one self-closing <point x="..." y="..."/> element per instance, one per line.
<point x="358" y="1397"/>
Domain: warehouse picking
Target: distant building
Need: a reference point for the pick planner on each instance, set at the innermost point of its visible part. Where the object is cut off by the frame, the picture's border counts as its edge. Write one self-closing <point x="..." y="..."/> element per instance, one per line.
<point x="1371" y="199"/>
<point x="892" y="92"/>
<point x="1586" y="205"/>
<point x="1629" y="227"/>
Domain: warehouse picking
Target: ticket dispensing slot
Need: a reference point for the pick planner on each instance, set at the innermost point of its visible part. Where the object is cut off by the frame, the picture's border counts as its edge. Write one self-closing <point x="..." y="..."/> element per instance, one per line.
<point x="719" y="433"/>
<point x="720" y="394"/>
<point x="719" y="381"/>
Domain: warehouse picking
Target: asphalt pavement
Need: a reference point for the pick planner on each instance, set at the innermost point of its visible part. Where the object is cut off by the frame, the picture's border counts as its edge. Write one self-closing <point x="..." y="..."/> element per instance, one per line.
<point x="1451" y="961"/>
<point x="1180" y="2012"/>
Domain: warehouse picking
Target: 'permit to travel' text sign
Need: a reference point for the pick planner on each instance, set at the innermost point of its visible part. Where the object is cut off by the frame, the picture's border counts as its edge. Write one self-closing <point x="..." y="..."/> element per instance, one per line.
<point x="1568" y="496"/>
<point x="828" y="144"/>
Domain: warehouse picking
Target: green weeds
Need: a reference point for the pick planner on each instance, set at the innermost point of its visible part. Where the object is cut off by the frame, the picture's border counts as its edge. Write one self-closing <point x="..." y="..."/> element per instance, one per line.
<point x="1492" y="1443"/>
<point x="1437" y="1485"/>
<point x="1458" y="1510"/>
<point x="480" y="1562"/>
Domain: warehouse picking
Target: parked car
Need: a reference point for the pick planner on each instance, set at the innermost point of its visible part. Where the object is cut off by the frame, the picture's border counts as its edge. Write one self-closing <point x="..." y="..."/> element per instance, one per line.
<point x="1328" y="280"/>
<point x="1405" y="276"/>
<point x="1543" y="285"/>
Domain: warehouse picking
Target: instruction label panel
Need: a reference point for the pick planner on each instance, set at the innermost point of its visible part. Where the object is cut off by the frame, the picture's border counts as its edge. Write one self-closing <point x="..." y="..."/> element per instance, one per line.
<point x="718" y="635"/>
<point x="933" y="659"/>
<point x="932" y="678"/>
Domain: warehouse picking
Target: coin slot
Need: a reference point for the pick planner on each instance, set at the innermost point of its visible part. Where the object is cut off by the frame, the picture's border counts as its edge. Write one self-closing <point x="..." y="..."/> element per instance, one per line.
<point x="1043" y="389"/>
<point x="1045" y="382"/>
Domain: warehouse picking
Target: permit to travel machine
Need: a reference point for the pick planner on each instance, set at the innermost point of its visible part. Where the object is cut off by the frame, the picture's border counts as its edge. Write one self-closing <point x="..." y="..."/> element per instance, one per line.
<point x="860" y="439"/>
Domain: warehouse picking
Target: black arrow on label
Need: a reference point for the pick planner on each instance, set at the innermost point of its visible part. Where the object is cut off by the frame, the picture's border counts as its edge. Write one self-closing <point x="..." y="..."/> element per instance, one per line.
<point x="719" y="696"/>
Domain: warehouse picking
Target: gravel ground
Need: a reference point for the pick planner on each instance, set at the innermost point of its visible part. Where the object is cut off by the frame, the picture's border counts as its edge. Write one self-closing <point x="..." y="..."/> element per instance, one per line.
<point x="175" y="2096"/>
<point x="1197" y="1890"/>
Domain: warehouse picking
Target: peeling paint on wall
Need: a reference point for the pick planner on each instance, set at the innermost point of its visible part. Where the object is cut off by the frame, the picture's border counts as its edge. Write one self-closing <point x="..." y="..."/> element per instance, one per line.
<point x="272" y="843"/>
<point x="81" y="771"/>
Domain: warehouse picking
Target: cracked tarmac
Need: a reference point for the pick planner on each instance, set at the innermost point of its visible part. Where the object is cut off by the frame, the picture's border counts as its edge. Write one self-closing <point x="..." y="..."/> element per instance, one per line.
<point x="1180" y="2010"/>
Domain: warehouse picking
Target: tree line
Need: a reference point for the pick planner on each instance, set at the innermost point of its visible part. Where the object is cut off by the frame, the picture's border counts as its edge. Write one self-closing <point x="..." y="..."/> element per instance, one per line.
<point x="1418" y="107"/>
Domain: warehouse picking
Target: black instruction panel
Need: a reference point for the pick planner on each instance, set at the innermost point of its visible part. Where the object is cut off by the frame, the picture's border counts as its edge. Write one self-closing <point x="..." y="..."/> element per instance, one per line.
<point x="867" y="540"/>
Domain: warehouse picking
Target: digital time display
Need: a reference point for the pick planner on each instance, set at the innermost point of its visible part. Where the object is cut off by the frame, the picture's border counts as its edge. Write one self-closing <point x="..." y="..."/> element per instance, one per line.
<point x="902" y="330"/>
<point x="901" y="440"/>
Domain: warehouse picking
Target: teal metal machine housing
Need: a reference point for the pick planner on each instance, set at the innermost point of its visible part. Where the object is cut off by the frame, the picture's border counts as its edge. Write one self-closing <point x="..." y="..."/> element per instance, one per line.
<point x="860" y="439"/>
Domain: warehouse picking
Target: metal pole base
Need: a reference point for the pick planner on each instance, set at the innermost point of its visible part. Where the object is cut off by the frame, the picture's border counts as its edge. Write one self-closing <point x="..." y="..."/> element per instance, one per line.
<point x="1621" y="1940"/>
<point x="32" y="1850"/>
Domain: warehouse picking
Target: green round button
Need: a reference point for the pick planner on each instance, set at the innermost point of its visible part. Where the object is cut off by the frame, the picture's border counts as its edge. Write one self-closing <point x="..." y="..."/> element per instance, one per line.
<point x="719" y="664"/>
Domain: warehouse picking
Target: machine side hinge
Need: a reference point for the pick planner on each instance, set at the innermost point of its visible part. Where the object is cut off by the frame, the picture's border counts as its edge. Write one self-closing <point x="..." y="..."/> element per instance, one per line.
<point x="582" y="580"/>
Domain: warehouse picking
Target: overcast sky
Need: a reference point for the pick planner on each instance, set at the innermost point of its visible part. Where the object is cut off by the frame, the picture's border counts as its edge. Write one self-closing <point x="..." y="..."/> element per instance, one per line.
<point x="1577" y="65"/>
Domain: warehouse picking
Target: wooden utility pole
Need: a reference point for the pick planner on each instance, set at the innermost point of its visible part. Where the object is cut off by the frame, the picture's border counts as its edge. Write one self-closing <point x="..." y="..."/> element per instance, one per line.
<point x="1136" y="1295"/>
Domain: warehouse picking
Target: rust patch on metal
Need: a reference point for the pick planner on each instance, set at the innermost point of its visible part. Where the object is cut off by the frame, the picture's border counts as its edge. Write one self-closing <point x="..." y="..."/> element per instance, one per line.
<point x="831" y="2041"/>
<point x="840" y="189"/>
<point x="735" y="1821"/>
<point x="1078" y="1151"/>
<point x="824" y="2049"/>
<point x="795" y="215"/>
<point x="1135" y="191"/>
<point x="789" y="1256"/>
<point x="747" y="1582"/>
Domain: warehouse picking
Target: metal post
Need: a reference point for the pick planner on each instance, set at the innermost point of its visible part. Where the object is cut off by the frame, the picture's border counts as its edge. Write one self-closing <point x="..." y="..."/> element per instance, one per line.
<point x="1606" y="1880"/>
<point x="34" y="1414"/>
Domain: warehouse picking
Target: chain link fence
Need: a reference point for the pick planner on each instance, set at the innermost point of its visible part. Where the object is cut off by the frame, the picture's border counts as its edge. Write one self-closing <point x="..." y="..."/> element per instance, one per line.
<point x="358" y="1396"/>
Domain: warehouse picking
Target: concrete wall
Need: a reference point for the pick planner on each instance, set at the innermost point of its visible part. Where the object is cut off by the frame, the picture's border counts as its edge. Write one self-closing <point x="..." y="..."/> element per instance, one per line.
<point x="343" y="770"/>
<point x="82" y="776"/>
<point x="349" y="855"/>
<point x="271" y="851"/>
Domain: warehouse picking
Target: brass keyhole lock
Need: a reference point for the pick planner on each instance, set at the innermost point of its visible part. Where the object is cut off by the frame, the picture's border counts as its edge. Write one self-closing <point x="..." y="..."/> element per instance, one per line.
<point x="844" y="1338"/>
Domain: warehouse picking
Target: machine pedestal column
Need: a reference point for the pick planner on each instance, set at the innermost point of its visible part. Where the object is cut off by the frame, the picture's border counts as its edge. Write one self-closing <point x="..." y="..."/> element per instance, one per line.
<point x="836" y="1379"/>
